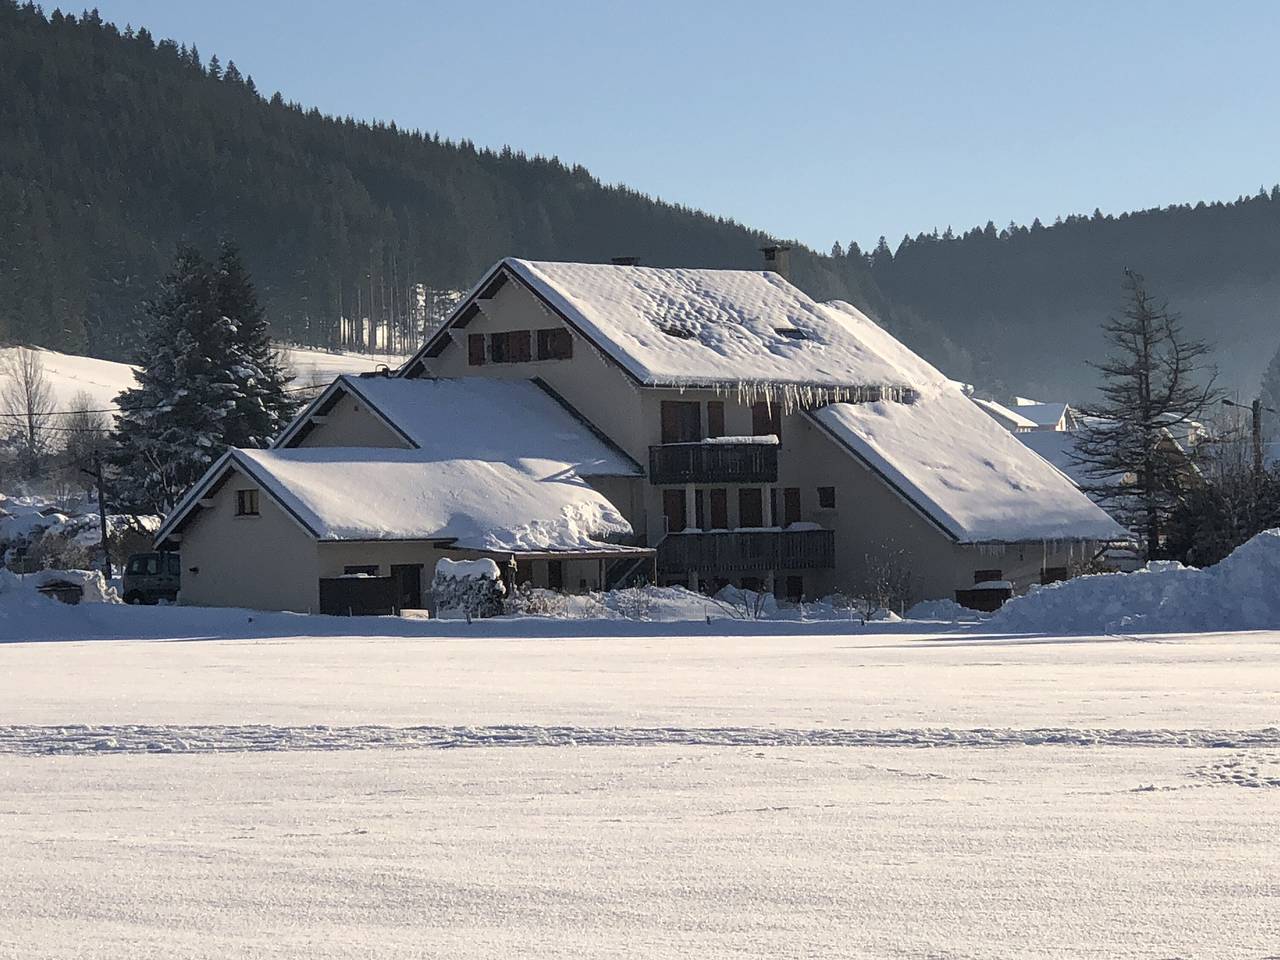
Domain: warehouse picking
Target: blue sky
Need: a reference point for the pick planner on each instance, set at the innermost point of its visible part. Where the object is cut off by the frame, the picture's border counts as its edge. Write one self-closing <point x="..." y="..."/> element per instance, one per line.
<point x="816" y="121"/>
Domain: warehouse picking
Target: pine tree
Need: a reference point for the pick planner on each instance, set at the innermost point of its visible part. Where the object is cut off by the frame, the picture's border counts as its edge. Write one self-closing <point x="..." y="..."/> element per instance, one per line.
<point x="172" y="425"/>
<point x="264" y="405"/>
<point x="1150" y="387"/>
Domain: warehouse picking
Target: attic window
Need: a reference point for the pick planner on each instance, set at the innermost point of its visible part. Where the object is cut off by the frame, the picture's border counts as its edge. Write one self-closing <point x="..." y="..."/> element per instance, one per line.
<point x="791" y="333"/>
<point x="680" y="333"/>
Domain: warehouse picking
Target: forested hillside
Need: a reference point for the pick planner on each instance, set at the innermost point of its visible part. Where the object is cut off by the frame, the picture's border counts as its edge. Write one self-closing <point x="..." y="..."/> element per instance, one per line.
<point x="114" y="146"/>
<point x="1036" y="295"/>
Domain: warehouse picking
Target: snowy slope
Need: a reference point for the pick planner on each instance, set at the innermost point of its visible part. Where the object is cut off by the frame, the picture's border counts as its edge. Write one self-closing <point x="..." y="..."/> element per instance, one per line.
<point x="315" y="367"/>
<point x="959" y="466"/>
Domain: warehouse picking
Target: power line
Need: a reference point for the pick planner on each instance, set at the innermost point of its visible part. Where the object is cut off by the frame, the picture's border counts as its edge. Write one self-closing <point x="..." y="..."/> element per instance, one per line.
<point x="159" y="406"/>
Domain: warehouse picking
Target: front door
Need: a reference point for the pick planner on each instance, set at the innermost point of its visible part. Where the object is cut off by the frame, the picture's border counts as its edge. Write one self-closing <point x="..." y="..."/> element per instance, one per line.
<point x="408" y="580"/>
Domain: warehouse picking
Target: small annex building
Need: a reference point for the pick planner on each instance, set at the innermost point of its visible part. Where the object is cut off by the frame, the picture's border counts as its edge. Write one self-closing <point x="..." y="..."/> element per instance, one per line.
<point x="381" y="477"/>
<point x="583" y="424"/>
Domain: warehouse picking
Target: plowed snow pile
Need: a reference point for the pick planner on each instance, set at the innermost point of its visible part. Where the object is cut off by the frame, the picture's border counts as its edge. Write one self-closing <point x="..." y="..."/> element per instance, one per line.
<point x="1240" y="593"/>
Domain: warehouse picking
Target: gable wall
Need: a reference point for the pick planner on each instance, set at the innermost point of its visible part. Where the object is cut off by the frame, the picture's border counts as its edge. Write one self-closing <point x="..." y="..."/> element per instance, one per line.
<point x="352" y="424"/>
<point x="267" y="562"/>
<point x="594" y="385"/>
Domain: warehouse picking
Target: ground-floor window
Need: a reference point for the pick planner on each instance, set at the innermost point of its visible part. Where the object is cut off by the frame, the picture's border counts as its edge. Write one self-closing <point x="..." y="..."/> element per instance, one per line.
<point x="360" y="569"/>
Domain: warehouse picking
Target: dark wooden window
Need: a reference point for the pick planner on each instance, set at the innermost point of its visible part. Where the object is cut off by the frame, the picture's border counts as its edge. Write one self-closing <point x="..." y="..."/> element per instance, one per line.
<point x="681" y="421"/>
<point x="715" y="418"/>
<point x="795" y="588"/>
<point x="524" y="571"/>
<point x="360" y="569"/>
<point x="246" y="503"/>
<point x="790" y="506"/>
<point x="827" y="498"/>
<point x="766" y="419"/>
<point x="982" y="576"/>
<point x="750" y="507"/>
<point x="719" y="503"/>
<point x="475" y="349"/>
<point x="408" y="578"/>
<point x="555" y="343"/>
<point x="512" y="346"/>
<point x="555" y="574"/>
<point x="699" y="513"/>
<point x="673" y="508"/>
<point x="754" y="584"/>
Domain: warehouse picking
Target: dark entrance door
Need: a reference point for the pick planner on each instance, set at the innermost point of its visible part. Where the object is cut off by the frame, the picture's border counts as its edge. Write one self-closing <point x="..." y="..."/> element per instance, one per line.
<point x="673" y="508"/>
<point x="408" y="580"/>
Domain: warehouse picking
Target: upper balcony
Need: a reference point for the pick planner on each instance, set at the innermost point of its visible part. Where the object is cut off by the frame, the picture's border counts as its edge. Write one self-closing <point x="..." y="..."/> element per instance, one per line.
<point x="747" y="551"/>
<point x="722" y="460"/>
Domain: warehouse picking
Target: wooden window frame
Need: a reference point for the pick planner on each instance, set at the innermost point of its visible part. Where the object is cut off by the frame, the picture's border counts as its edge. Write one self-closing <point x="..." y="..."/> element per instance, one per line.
<point x="247" y="504"/>
<point x="555" y="343"/>
<point x="715" y="418"/>
<point x="826" y="498"/>
<point x="475" y="350"/>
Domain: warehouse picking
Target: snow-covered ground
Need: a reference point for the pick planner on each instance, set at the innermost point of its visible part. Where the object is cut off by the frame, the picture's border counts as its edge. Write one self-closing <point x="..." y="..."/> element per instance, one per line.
<point x="103" y="380"/>
<point x="546" y="788"/>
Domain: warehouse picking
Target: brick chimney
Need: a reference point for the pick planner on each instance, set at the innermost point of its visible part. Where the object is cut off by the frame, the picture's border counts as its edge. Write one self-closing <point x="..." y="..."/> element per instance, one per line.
<point x="777" y="257"/>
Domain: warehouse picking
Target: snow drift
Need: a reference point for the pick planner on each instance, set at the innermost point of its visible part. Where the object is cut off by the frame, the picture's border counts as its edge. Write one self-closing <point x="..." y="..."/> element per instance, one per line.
<point x="1240" y="593"/>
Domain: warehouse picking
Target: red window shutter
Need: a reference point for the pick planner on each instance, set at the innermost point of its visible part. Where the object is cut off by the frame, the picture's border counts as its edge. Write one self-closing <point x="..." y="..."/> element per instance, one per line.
<point x="475" y="349"/>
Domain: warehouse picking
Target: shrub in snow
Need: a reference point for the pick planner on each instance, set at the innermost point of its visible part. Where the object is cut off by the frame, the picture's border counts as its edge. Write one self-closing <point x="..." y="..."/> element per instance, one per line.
<point x="527" y="600"/>
<point x="633" y="603"/>
<point x="468" y="588"/>
<point x="1240" y="593"/>
<point x="746" y="604"/>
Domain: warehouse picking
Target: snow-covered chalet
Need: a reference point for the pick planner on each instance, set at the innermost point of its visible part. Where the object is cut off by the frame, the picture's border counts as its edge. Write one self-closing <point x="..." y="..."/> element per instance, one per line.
<point x="587" y="424"/>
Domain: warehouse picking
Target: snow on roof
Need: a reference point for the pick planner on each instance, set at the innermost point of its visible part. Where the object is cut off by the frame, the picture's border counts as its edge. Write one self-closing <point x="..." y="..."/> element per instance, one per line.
<point x="1004" y="416"/>
<point x="1056" y="446"/>
<point x="1042" y="414"/>
<point x="484" y="418"/>
<point x="676" y="326"/>
<point x="963" y="470"/>
<point x="341" y="493"/>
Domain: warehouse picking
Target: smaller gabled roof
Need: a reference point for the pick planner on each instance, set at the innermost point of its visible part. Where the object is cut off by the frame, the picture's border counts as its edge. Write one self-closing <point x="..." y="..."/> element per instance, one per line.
<point x="479" y="418"/>
<point x="363" y="493"/>
<point x="1011" y="420"/>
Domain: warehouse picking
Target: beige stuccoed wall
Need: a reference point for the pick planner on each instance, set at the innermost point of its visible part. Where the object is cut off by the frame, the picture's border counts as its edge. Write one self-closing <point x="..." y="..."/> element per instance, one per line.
<point x="351" y="424"/>
<point x="267" y="562"/>
<point x="594" y="385"/>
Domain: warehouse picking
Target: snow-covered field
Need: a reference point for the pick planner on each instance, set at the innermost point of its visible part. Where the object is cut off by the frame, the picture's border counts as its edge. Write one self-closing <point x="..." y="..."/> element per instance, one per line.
<point x="588" y="788"/>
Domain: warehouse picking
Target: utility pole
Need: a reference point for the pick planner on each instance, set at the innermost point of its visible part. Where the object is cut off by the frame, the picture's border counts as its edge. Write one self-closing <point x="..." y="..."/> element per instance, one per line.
<point x="1256" y="409"/>
<point x="96" y="473"/>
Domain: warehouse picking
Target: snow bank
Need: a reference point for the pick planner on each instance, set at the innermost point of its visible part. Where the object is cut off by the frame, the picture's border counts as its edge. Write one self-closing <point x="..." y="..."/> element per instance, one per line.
<point x="1240" y="593"/>
<point x="468" y="569"/>
<point x="25" y="612"/>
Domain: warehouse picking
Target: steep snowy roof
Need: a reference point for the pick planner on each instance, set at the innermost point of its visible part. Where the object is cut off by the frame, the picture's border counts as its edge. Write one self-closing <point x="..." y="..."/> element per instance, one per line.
<point x="484" y="418"/>
<point x="341" y="493"/>
<point x="1041" y="414"/>
<point x="1002" y="415"/>
<point x="478" y="418"/>
<point x="675" y="326"/>
<point x="1057" y="447"/>
<point x="960" y="468"/>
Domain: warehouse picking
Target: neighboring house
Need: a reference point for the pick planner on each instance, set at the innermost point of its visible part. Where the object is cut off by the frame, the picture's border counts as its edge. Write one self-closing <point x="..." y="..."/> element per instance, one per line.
<point x="1027" y="415"/>
<point x="719" y="424"/>
<point x="1009" y="419"/>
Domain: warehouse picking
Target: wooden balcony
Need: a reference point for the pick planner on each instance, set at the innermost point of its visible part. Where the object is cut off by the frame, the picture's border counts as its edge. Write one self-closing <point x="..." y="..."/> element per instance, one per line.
<point x="713" y="463"/>
<point x="747" y="551"/>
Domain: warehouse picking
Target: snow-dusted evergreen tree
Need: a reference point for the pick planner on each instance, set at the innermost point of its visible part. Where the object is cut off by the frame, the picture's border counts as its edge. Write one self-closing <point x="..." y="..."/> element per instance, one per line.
<point x="173" y="424"/>
<point x="264" y="405"/>
<point x="1152" y="385"/>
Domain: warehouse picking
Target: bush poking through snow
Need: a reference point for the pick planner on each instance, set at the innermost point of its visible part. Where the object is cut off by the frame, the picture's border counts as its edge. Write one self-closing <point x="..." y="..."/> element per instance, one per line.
<point x="467" y="588"/>
<point x="527" y="600"/>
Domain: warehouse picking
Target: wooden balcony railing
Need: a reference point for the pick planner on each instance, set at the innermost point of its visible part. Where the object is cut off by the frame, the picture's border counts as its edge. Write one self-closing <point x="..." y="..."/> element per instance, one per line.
<point x="740" y="551"/>
<point x="713" y="463"/>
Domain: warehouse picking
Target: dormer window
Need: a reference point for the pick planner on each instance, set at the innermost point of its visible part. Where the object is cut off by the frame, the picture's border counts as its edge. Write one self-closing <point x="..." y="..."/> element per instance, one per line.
<point x="791" y="333"/>
<point x="680" y="333"/>
<point x="246" y="503"/>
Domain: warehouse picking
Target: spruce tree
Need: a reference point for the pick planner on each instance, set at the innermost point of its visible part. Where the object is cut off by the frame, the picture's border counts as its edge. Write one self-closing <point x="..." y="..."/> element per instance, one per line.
<point x="264" y="405"/>
<point x="1151" y="388"/>
<point x="172" y="425"/>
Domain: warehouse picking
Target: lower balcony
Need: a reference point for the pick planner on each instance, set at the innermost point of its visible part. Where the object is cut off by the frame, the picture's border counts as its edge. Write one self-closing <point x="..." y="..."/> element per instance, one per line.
<point x="747" y="551"/>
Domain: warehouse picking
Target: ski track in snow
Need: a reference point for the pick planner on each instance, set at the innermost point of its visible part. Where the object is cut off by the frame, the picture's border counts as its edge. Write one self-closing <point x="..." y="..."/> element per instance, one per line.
<point x="163" y="739"/>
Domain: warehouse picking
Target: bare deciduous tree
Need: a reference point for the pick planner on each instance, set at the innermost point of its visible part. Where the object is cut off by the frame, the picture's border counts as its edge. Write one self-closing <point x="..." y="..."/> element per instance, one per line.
<point x="85" y="430"/>
<point x="27" y="403"/>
